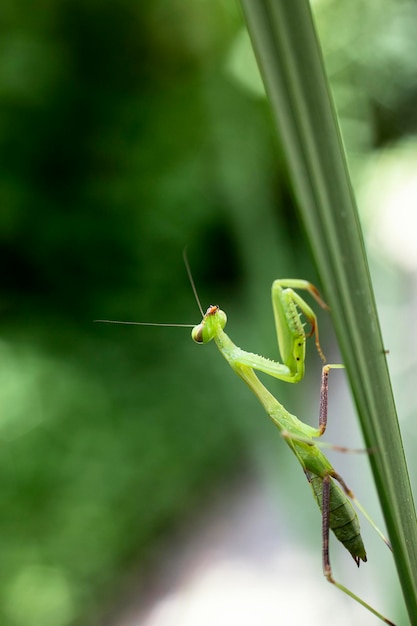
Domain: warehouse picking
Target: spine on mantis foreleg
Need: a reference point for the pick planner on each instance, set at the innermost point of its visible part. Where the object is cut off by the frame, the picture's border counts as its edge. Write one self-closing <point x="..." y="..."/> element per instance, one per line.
<point x="343" y="519"/>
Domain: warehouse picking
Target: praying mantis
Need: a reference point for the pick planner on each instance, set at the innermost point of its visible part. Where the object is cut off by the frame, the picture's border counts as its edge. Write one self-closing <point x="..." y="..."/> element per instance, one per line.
<point x="330" y="491"/>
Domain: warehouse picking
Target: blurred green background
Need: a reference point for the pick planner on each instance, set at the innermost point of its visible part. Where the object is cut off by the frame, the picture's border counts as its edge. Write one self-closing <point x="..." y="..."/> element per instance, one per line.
<point x="129" y="131"/>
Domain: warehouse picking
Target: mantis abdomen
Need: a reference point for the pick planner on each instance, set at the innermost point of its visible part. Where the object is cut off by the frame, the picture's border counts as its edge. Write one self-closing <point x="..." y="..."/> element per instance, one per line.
<point x="343" y="520"/>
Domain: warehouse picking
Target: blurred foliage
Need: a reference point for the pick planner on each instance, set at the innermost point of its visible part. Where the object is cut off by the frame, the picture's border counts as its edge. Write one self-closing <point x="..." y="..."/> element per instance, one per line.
<point x="127" y="133"/>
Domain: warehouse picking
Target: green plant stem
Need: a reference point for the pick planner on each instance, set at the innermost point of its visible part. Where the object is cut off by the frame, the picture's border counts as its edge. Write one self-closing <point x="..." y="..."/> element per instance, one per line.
<point x="290" y="61"/>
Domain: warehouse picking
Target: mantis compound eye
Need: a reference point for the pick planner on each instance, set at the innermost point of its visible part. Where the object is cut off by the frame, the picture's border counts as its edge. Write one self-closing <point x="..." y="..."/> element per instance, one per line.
<point x="197" y="333"/>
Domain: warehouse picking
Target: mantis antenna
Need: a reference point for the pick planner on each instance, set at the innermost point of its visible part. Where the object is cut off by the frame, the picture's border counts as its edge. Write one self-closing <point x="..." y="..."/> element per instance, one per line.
<point x="191" y="279"/>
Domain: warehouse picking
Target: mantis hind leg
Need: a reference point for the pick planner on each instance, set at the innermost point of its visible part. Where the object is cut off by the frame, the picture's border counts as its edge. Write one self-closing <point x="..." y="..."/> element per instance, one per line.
<point x="327" y="570"/>
<point x="322" y="427"/>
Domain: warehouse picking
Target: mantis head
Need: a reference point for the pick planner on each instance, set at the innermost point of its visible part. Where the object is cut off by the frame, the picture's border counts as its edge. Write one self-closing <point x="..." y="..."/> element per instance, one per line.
<point x="213" y="321"/>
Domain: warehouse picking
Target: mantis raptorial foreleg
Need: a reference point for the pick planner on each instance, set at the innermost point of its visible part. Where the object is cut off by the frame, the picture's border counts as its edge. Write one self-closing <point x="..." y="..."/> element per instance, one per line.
<point x="338" y="513"/>
<point x="285" y="302"/>
<point x="291" y="335"/>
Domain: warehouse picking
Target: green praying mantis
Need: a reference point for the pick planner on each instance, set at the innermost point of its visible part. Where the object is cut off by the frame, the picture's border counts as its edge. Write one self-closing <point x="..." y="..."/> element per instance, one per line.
<point x="331" y="493"/>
